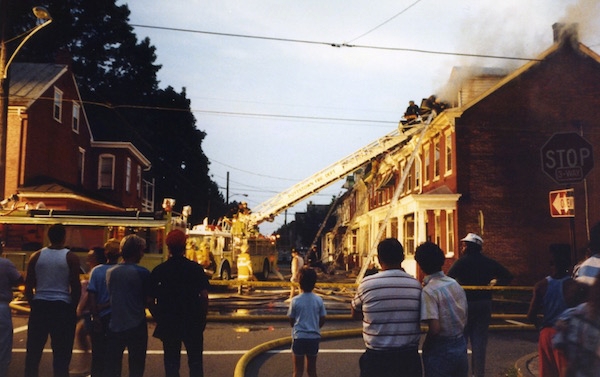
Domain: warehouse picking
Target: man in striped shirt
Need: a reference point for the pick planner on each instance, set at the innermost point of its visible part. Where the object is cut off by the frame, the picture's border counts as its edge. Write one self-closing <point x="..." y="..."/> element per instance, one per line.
<point x="389" y="304"/>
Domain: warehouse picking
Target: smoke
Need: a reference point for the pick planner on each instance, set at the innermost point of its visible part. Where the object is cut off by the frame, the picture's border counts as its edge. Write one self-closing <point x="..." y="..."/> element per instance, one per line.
<point x="585" y="13"/>
<point x="515" y="30"/>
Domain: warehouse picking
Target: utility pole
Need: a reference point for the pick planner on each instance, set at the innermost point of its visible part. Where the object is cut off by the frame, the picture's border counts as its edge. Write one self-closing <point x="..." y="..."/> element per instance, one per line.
<point x="227" y="190"/>
<point x="3" y="94"/>
<point x="43" y="15"/>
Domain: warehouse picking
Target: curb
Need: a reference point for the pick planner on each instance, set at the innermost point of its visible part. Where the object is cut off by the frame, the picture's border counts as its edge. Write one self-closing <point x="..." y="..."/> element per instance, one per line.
<point x="523" y="365"/>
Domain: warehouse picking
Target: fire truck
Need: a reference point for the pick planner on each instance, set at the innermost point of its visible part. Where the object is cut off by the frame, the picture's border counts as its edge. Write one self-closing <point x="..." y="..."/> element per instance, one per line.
<point x="216" y="247"/>
<point x="24" y="231"/>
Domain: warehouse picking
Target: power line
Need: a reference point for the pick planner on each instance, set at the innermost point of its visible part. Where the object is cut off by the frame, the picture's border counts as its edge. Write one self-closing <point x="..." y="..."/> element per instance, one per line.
<point x="229" y="113"/>
<point x="386" y="21"/>
<point x="282" y="116"/>
<point x="233" y="35"/>
<point x="334" y="44"/>
<point x="253" y="173"/>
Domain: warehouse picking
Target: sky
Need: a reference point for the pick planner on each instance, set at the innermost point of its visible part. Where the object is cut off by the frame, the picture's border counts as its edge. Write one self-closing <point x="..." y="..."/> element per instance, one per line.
<point x="285" y="88"/>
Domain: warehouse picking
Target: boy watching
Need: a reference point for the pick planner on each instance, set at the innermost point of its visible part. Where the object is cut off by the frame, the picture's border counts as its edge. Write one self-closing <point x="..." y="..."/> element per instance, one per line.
<point x="307" y="315"/>
<point x="444" y="309"/>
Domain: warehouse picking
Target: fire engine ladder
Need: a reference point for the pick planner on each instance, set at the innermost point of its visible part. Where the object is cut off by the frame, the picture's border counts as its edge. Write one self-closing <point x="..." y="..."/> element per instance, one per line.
<point x="344" y="237"/>
<point x="331" y="209"/>
<point x="395" y="197"/>
<point x="317" y="182"/>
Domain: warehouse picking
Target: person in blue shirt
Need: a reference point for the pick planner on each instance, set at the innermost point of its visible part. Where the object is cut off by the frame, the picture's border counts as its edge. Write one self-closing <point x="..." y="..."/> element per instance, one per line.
<point x="128" y="285"/>
<point x="99" y="300"/>
<point x="553" y="295"/>
<point x="307" y="315"/>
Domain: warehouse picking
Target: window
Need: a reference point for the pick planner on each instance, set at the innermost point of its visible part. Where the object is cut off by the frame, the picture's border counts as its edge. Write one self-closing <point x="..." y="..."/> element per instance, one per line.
<point x="57" y="108"/>
<point x="128" y="175"/>
<point x="106" y="168"/>
<point x="417" y="173"/>
<point x="76" y="111"/>
<point x="81" y="164"/>
<point x="394" y="227"/>
<point x="409" y="235"/>
<point x="448" y="146"/>
<point x="381" y="226"/>
<point x="139" y="181"/>
<point x="449" y="234"/>
<point x="436" y="159"/>
<point x="438" y="229"/>
<point x="427" y="164"/>
<point x="409" y="178"/>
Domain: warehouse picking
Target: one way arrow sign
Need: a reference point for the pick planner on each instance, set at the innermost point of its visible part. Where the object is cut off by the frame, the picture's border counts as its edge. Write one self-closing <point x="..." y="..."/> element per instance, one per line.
<point x="562" y="203"/>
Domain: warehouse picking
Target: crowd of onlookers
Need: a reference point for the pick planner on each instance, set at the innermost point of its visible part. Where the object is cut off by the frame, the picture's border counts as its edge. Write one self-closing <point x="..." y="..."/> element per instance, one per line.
<point x="110" y="310"/>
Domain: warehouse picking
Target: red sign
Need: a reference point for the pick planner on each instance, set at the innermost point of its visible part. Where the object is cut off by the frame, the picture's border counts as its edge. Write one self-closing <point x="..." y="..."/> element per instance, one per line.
<point x="562" y="203"/>
<point x="567" y="157"/>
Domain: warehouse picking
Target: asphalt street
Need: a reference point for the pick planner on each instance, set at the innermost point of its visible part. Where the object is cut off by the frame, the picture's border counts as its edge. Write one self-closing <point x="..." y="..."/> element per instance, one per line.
<point x="225" y="343"/>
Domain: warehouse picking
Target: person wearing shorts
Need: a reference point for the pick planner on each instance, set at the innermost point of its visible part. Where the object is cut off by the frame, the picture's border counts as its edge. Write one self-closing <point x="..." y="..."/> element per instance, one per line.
<point x="307" y="316"/>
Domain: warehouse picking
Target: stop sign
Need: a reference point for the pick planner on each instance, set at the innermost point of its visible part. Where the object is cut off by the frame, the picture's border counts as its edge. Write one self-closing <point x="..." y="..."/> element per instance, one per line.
<point x="567" y="157"/>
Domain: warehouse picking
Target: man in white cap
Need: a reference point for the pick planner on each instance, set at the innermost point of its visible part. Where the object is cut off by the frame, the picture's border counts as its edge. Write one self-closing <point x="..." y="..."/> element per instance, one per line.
<point x="474" y="268"/>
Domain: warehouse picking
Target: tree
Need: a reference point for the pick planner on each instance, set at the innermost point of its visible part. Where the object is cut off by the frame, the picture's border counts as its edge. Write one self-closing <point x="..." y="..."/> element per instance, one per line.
<point x="116" y="71"/>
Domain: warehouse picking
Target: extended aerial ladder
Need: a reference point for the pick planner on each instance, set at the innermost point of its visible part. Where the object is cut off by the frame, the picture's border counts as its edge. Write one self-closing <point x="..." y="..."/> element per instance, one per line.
<point x="267" y="210"/>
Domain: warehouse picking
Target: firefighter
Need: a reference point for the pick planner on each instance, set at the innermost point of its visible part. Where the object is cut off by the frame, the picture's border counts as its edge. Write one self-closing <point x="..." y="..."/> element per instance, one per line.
<point x="244" y="267"/>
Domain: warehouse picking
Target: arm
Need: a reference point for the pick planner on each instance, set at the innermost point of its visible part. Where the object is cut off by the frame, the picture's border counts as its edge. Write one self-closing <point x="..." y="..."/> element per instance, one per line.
<point x="31" y="279"/>
<point x="356" y="314"/>
<point x="321" y="321"/>
<point x="15" y="276"/>
<point x="74" y="282"/>
<point x="434" y="327"/>
<point x="503" y="275"/>
<point x="535" y="306"/>
<point x="204" y="302"/>
<point x="455" y="271"/>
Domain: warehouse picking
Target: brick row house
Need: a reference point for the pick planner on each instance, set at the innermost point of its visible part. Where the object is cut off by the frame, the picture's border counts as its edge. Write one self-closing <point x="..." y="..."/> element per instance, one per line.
<point x="54" y="159"/>
<point x="478" y="167"/>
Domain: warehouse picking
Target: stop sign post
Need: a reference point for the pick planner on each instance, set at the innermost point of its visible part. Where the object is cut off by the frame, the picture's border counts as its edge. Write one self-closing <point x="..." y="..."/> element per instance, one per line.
<point x="567" y="157"/>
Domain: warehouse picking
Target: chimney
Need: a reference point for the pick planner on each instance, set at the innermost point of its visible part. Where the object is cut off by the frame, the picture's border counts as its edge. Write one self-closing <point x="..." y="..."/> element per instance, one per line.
<point x="566" y="33"/>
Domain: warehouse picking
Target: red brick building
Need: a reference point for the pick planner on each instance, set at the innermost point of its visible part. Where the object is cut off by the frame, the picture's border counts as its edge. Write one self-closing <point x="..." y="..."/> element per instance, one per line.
<point x="54" y="160"/>
<point x="478" y="167"/>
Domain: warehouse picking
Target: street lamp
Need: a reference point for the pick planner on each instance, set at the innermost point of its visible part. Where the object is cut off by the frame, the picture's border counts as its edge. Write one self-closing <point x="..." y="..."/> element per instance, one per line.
<point x="45" y="19"/>
<point x="43" y="15"/>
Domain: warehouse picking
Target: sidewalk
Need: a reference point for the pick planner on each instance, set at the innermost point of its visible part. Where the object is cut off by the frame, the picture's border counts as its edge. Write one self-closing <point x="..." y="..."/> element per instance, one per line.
<point x="527" y="366"/>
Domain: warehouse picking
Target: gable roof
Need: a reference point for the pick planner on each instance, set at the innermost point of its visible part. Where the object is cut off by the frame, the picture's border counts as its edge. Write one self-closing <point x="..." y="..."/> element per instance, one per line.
<point x="28" y="81"/>
<point x="580" y="47"/>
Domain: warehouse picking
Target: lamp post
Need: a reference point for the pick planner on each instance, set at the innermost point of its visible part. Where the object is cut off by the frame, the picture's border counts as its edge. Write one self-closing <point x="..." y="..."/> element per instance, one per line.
<point x="45" y="19"/>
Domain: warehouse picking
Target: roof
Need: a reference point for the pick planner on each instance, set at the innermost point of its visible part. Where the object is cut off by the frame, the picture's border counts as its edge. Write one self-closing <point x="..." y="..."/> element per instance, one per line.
<point x="110" y="129"/>
<point x="533" y="63"/>
<point x="53" y="190"/>
<point x="28" y="81"/>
